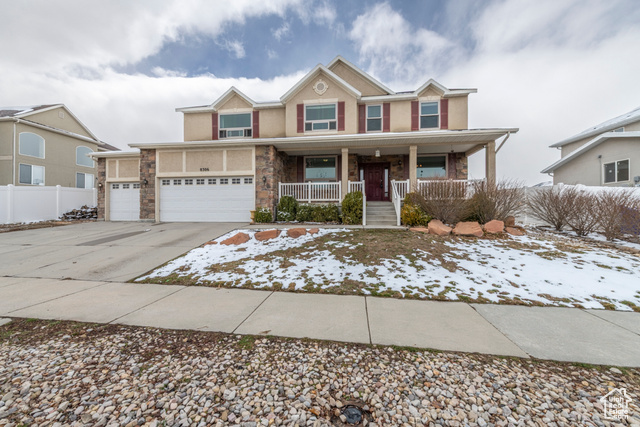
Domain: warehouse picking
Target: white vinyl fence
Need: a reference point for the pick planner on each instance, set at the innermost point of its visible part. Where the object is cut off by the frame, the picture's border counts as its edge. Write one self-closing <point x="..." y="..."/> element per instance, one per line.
<point x="32" y="204"/>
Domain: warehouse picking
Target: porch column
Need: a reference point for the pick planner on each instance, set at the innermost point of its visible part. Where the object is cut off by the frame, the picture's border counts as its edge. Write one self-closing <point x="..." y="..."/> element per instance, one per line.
<point x="490" y="162"/>
<point x="345" y="172"/>
<point x="413" y="167"/>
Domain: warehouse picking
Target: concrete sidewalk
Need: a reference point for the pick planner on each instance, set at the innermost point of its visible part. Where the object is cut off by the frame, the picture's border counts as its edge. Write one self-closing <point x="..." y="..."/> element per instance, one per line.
<point x="564" y="334"/>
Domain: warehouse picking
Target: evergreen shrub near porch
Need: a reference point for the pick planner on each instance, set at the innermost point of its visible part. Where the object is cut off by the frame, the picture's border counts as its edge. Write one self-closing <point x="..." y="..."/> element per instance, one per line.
<point x="287" y="208"/>
<point x="412" y="213"/>
<point x="263" y="215"/>
<point x="352" y="208"/>
<point x="318" y="213"/>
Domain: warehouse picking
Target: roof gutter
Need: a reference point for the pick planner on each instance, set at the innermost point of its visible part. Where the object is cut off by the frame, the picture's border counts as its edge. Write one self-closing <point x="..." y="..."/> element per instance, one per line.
<point x="58" y="131"/>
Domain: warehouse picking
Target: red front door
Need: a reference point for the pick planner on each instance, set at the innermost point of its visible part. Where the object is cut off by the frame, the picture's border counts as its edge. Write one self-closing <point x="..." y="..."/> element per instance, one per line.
<point x="374" y="177"/>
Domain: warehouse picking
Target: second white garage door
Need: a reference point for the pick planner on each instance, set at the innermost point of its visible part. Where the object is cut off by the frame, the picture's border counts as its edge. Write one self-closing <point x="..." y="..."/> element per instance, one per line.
<point x="211" y="199"/>
<point x="124" y="201"/>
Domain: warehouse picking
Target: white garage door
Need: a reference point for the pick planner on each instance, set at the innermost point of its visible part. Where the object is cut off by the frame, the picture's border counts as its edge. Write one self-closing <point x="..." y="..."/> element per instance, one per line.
<point x="124" y="201"/>
<point x="211" y="199"/>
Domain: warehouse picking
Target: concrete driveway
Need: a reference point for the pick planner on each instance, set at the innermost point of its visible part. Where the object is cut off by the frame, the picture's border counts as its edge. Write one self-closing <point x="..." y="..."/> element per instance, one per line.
<point x="101" y="251"/>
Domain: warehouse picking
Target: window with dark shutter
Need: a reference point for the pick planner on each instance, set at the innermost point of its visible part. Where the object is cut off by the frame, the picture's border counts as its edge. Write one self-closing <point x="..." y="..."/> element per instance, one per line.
<point x="256" y="124"/>
<point x="444" y="114"/>
<point x="386" y="117"/>
<point x="362" y="117"/>
<point x="341" y="115"/>
<point x="415" y="115"/>
<point x="300" y="118"/>
<point x="214" y="126"/>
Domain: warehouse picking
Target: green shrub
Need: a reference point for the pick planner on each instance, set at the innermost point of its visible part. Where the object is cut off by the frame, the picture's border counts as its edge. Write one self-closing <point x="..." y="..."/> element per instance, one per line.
<point x="318" y="213"/>
<point x="287" y="208"/>
<point x="413" y="215"/>
<point x="352" y="208"/>
<point x="263" y="215"/>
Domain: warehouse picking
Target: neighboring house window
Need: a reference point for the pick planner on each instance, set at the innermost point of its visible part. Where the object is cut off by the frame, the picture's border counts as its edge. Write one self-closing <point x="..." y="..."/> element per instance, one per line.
<point x="429" y="117"/>
<point x="616" y="171"/>
<point x="619" y="129"/>
<point x="320" y="117"/>
<point x="82" y="159"/>
<point x="30" y="174"/>
<point x="374" y="118"/>
<point x="432" y="167"/>
<point x="31" y="145"/>
<point x="235" y="125"/>
<point x="320" y="168"/>
<point x="84" y="180"/>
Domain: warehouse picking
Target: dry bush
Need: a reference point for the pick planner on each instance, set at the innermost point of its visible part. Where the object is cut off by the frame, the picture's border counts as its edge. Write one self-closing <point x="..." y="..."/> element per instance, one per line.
<point x="496" y="201"/>
<point x="553" y="205"/>
<point x="445" y="200"/>
<point x="584" y="217"/>
<point x="617" y="210"/>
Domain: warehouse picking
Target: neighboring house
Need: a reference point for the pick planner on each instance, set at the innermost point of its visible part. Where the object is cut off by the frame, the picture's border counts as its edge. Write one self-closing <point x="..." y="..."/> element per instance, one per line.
<point x="337" y="130"/>
<point x="46" y="145"/>
<point x="605" y="155"/>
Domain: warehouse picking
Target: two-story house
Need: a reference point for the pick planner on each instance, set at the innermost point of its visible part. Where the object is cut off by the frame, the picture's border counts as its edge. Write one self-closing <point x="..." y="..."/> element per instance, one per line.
<point x="337" y="130"/>
<point x="604" y="155"/>
<point x="46" y="145"/>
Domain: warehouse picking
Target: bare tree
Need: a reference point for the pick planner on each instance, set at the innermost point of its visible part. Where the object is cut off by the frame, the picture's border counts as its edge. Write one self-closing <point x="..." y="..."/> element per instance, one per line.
<point x="615" y="210"/>
<point x="445" y="200"/>
<point x="584" y="217"/>
<point x="552" y="205"/>
<point x="497" y="201"/>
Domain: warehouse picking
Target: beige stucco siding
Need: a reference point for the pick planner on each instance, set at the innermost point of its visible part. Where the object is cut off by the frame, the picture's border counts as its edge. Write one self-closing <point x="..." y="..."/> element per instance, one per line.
<point x="587" y="169"/>
<point x="400" y="116"/>
<point x="206" y="162"/>
<point x="60" y="157"/>
<point x="6" y="153"/>
<point x="59" y="118"/>
<point x="197" y="126"/>
<point x="458" y="113"/>
<point x="272" y="123"/>
<point x="235" y="102"/>
<point x="123" y="169"/>
<point x="565" y="150"/>
<point x="334" y="93"/>
<point x="632" y="127"/>
<point x="355" y="80"/>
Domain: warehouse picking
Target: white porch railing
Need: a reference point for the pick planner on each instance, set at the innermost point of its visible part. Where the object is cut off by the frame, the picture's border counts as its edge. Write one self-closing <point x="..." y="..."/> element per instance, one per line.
<point x="462" y="188"/>
<point x="356" y="186"/>
<point x="311" y="191"/>
<point x="399" y="190"/>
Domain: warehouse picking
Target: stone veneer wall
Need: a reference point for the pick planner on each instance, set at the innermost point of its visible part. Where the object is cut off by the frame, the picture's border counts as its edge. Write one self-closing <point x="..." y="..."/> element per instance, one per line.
<point x="102" y="187"/>
<point x="460" y="169"/>
<point x="148" y="191"/>
<point x="269" y="169"/>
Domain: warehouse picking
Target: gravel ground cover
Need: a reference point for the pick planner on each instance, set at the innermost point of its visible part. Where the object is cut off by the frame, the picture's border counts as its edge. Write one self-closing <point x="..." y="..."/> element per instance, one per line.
<point x="67" y="373"/>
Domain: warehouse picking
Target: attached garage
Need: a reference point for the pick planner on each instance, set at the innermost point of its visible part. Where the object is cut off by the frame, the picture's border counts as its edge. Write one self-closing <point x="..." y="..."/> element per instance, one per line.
<point x="207" y="199"/>
<point x="124" y="201"/>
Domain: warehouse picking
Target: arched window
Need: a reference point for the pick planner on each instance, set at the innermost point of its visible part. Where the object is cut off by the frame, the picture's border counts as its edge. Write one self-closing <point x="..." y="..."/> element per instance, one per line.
<point x="81" y="157"/>
<point x="31" y="145"/>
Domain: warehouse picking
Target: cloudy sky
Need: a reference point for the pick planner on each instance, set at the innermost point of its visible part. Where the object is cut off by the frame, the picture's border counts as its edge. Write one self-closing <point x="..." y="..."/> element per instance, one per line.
<point x="550" y="67"/>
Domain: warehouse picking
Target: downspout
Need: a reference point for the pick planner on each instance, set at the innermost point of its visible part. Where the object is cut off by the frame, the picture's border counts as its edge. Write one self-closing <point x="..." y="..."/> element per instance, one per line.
<point x="503" y="141"/>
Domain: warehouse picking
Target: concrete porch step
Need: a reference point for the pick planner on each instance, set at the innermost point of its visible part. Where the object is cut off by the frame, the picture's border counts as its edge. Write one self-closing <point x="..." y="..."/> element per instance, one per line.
<point x="376" y="222"/>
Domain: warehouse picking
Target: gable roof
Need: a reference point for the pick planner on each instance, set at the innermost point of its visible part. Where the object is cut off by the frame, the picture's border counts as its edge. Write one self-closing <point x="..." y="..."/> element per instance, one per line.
<point x="611" y="124"/>
<point x="311" y="74"/>
<point x="361" y="73"/>
<point x="588" y="146"/>
<point x="24" y="110"/>
<point x="446" y="91"/>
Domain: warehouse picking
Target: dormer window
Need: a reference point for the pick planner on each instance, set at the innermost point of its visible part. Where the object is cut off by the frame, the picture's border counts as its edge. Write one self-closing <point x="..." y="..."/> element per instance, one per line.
<point x="320" y="117"/>
<point x="429" y="115"/>
<point x="235" y="125"/>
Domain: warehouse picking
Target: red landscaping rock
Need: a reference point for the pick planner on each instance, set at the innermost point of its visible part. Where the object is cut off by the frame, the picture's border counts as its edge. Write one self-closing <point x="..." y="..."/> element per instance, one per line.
<point x="438" y="228"/>
<point x="212" y="242"/>
<point x="314" y="230"/>
<point x="296" y="232"/>
<point x="419" y="229"/>
<point x="494" y="227"/>
<point x="266" y="235"/>
<point x="515" y="231"/>
<point x="510" y="221"/>
<point x="468" y="228"/>
<point x="237" y="239"/>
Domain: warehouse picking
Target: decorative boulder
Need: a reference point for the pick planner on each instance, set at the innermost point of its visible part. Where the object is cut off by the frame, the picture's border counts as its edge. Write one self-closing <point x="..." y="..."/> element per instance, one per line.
<point x="419" y="229"/>
<point x="438" y="228"/>
<point x="211" y="242"/>
<point x="266" y="235"/>
<point x="314" y="230"/>
<point x="514" y="231"/>
<point x="510" y="221"/>
<point x="494" y="227"/>
<point x="296" y="232"/>
<point x="236" y="239"/>
<point x="468" y="228"/>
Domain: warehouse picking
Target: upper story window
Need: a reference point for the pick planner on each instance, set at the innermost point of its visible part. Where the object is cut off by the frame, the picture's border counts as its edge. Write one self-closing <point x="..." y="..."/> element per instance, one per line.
<point x="235" y="125"/>
<point x="429" y="115"/>
<point x="432" y="167"/>
<point x="31" y="145"/>
<point x="82" y="159"/>
<point x="616" y="171"/>
<point x="374" y="118"/>
<point x="31" y="174"/>
<point x="320" y="117"/>
<point x="320" y="168"/>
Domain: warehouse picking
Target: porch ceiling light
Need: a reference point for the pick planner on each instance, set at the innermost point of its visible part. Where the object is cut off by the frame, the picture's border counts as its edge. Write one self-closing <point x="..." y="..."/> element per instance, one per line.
<point x="377" y="153"/>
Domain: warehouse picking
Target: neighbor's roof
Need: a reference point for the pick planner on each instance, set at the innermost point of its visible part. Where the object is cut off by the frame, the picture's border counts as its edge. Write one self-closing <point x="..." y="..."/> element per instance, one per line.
<point x="625" y="119"/>
<point x="24" y="110"/>
<point x="589" y="145"/>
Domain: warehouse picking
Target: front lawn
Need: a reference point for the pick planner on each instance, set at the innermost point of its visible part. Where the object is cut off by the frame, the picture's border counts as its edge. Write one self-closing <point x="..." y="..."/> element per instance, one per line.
<point x="538" y="269"/>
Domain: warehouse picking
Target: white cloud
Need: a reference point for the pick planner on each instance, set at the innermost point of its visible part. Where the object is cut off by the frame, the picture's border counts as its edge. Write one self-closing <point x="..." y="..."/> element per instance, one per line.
<point x="281" y="32"/>
<point x="233" y="46"/>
